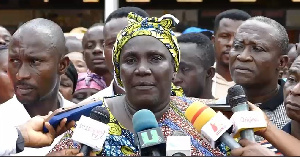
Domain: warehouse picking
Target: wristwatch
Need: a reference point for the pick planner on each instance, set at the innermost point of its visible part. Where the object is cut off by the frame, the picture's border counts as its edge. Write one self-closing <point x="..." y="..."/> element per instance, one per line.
<point x="20" y="142"/>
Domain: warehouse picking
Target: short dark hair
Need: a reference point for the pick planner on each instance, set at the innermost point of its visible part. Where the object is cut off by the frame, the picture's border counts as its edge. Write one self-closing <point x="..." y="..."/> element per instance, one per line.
<point x="233" y="14"/>
<point x="282" y="38"/>
<point x="124" y="11"/>
<point x="203" y="43"/>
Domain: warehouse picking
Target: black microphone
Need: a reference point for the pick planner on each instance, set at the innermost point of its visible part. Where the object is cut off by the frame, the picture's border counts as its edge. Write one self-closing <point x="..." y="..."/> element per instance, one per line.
<point x="238" y="101"/>
<point x="150" y="138"/>
<point x="100" y="114"/>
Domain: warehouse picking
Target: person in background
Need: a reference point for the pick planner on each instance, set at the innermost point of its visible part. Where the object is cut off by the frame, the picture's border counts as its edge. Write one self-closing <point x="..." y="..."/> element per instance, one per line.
<point x="292" y="55"/>
<point x="4" y="36"/>
<point x="114" y="23"/>
<point x="78" y="61"/>
<point x="73" y="44"/>
<point x="258" y="53"/>
<point x="291" y="93"/>
<point x="87" y="85"/>
<point x="92" y="43"/>
<point x="225" y="26"/>
<point x="196" y="65"/>
<point x="68" y="82"/>
<point x="146" y="57"/>
<point x="35" y="67"/>
<point x="7" y="89"/>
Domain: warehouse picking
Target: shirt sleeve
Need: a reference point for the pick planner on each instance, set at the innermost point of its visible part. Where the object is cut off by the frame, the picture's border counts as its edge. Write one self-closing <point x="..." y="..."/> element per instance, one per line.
<point x="8" y="139"/>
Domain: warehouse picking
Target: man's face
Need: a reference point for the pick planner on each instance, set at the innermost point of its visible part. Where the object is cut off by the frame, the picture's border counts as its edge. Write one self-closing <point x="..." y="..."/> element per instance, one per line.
<point x="111" y="30"/>
<point x="192" y="74"/>
<point x="223" y="39"/>
<point x="33" y="66"/>
<point x="4" y="36"/>
<point x="93" y="50"/>
<point x="255" y="58"/>
<point x="292" y="91"/>
<point x="6" y="90"/>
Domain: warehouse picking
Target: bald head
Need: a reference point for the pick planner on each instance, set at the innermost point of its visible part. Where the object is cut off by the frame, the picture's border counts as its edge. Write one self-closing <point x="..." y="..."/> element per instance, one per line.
<point x="42" y="32"/>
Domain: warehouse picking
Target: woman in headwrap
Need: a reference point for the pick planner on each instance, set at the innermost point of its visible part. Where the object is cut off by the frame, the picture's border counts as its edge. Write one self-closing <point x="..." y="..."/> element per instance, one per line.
<point x="146" y="59"/>
<point x="88" y="84"/>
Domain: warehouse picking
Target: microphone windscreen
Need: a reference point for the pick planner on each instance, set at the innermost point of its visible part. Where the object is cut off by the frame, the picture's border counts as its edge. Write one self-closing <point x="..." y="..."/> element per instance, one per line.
<point x="144" y="119"/>
<point x="100" y="114"/>
<point x="199" y="114"/>
<point x="236" y="95"/>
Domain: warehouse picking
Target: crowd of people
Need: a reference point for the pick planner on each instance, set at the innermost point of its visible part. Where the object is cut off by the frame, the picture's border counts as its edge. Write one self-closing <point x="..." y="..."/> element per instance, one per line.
<point x="134" y="61"/>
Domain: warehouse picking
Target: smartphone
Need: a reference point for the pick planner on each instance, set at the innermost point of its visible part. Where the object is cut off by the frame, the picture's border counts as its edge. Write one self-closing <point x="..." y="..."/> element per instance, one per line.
<point x="71" y="113"/>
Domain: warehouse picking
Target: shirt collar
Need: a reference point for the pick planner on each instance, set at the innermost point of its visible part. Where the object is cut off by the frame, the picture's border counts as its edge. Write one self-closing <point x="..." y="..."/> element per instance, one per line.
<point x="275" y="101"/>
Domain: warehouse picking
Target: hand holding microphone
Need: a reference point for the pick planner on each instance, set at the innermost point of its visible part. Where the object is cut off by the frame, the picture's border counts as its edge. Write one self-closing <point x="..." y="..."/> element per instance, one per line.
<point x="245" y="121"/>
<point x="251" y="149"/>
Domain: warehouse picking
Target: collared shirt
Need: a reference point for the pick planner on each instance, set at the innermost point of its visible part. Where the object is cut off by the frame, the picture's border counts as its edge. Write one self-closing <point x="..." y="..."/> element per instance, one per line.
<point x="13" y="113"/>
<point x="220" y="86"/>
<point x="107" y="92"/>
<point x="274" y="108"/>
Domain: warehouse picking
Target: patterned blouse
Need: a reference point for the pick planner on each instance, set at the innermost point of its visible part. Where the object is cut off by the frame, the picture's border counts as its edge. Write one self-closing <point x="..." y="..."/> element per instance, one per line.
<point x="120" y="141"/>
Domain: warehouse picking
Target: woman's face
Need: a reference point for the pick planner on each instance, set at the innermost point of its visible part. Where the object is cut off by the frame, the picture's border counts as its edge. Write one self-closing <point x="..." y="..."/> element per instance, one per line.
<point x="146" y="71"/>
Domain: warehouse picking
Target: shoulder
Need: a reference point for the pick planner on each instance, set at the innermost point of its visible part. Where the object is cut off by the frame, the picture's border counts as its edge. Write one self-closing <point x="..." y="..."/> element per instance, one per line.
<point x="183" y="102"/>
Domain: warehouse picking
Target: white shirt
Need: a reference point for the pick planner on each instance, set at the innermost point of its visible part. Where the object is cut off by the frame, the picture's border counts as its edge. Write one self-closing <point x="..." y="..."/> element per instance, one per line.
<point x="106" y="92"/>
<point x="13" y="113"/>
<point x="8" y="139"/>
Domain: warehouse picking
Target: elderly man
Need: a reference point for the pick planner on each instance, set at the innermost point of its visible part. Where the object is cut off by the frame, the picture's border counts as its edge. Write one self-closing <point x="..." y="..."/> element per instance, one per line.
<point x="257" y="55"/>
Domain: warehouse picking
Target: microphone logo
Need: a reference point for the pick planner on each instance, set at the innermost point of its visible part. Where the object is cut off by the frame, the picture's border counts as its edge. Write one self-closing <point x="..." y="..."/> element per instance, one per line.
<point x="214" y="127"/>
<point x="154" y="138"/>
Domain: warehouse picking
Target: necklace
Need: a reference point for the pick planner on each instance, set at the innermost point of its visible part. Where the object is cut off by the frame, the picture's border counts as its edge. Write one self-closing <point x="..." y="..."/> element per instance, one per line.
<point x="129" y="115"/>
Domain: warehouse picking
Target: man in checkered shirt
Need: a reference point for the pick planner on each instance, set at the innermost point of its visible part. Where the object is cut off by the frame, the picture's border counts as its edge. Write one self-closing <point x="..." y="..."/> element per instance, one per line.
<point x="257" y="54"/>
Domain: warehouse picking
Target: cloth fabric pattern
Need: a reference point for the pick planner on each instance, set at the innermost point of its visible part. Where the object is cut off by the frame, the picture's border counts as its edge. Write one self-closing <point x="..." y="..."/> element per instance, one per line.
<point x="90" y="80"/>
<point x="121" y="142"/>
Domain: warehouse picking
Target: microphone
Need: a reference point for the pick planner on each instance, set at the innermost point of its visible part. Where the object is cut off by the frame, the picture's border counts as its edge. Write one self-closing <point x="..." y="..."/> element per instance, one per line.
<point x="150" y="138"/>
<point x="178" y="144"/>
<point x="91" y="131"/>
<point x="238" y="101"/>
<point x="212" y="126"/>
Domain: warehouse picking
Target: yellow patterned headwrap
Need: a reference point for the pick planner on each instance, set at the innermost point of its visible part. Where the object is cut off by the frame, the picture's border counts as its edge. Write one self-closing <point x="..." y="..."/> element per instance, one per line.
<point x="159" y="28"/>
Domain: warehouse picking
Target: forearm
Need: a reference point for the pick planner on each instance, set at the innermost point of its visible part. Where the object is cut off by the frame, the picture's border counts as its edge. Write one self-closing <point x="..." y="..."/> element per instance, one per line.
<point x="284" y="142"/>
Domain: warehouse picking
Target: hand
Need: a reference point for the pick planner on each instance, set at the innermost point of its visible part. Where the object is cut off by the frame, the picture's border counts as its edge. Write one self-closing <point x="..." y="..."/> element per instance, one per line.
<point x="32" y="131"/>
<point x="251" y="149"/>
<point x="252" y="107"/>
<point x="69" y="152"/>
